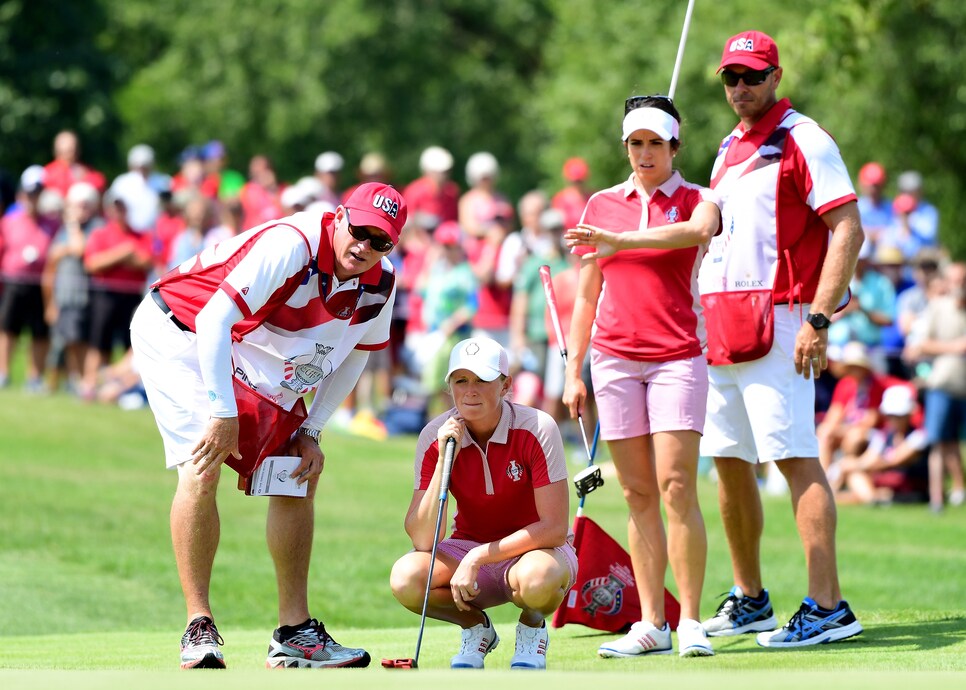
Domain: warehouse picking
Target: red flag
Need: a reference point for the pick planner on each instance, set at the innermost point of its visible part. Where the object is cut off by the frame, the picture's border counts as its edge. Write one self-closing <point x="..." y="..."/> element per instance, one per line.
<point x="604" y="597"/>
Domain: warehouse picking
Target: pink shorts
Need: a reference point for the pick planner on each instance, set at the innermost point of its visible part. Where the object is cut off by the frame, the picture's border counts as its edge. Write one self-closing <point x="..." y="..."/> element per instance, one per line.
<point x="640" y="398"/>
<point x="494" y="587"/>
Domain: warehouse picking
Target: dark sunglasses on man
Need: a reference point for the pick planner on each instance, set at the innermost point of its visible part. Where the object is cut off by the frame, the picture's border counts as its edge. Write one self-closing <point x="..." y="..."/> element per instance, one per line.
<point x="752" y="77"/>
<point x="375" y="241"/>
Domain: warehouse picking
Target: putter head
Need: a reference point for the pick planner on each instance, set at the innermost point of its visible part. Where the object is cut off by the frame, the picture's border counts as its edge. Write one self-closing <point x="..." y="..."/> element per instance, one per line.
<point x="399" y="663"/>
<point x="588" y="480"/>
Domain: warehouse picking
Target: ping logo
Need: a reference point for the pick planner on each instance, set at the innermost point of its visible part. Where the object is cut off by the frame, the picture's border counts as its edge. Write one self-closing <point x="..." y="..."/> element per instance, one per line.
<point x="386" y="204"/>
<point x="742" y="44"/>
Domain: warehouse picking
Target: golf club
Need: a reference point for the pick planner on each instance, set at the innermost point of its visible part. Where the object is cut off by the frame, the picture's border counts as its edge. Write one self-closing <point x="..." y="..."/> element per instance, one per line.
<point x="448" y="455"/>
<point x="589" y="479"/>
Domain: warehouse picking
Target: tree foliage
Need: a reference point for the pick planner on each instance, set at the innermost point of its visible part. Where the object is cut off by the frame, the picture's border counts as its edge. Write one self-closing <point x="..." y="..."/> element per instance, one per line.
<point x="533" y="81"/>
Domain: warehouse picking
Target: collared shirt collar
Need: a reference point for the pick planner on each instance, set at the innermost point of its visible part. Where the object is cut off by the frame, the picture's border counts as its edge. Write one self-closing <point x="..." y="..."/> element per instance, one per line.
<point x="668" y="187"/>
<point x="769" y="122"/>
<point x="502" y="432"/>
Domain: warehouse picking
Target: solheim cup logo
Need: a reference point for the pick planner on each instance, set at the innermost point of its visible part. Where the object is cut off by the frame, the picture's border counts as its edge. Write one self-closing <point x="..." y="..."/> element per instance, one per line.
<point x="606" y="594"/>
<point x="302" y="373"/>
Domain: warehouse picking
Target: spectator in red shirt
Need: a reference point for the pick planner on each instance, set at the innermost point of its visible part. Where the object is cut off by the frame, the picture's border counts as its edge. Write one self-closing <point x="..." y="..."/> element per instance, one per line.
<point x="25" y="238"/>
<point x="434" y="194"/>
<point x="854" y="411"/>
<point x="572" y="199"/>
<point x="118" y="260"/>
<point x="66" y="168"/>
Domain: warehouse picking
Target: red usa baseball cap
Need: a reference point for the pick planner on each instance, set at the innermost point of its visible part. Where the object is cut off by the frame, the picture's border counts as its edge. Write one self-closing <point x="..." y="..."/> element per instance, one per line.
<point x="378" y="205"/>
<point x="753" y="49"/>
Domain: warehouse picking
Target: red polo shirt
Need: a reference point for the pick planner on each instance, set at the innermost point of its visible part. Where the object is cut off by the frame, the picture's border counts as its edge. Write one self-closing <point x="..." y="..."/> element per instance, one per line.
<point x="493" y="487"/>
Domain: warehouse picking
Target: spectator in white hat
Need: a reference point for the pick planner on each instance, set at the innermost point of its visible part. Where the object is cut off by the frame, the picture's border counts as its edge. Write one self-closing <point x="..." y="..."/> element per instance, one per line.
<point x="140" y="188"/>
<point x="893" y="466"/>
<point x="67" y="285"/>
<point x="477" y="205"/>
<point x="434" y="193"/>
<point x="328" y="168"/>
<point x="915" y="221"/>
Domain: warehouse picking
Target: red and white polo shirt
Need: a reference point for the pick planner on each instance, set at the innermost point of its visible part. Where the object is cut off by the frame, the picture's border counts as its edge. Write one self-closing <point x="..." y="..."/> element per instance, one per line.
<point x="493" y="486"/>
<point x="649" y="309"/>
<point x="300" y="322"/>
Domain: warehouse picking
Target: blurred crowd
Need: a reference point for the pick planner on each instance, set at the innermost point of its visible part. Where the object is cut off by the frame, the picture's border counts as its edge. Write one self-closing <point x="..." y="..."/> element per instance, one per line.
<point x="77" y="252"/>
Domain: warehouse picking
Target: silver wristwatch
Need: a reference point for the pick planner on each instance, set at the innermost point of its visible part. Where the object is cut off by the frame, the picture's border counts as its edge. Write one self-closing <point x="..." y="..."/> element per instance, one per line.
<point x="313" y="434"/>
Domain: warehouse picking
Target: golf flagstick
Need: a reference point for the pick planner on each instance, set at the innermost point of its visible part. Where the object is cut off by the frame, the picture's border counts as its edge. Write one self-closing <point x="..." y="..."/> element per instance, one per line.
<point x="448" y="455"/>
<point x="680" y="55"/>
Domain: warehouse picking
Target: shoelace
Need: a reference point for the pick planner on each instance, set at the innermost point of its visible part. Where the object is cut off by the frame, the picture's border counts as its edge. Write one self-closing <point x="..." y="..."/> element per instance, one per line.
<point x="728" y="605"/>
<point x="795" y="624"/>
<point x="317" y="630"/>
<point x="203" y="631"/>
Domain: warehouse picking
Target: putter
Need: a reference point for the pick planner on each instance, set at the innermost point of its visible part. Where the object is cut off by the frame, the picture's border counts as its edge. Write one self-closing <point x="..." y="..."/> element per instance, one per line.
<point x="588" y="479"/>
<point x="448" y="455"/>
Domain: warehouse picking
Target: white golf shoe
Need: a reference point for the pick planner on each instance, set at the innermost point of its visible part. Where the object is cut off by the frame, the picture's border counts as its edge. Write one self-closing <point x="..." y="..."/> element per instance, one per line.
<point x="477" y="642"/>
<point x="642" y="639"/>
<point x="692" y="640"/>
<point x="531" y="649"/>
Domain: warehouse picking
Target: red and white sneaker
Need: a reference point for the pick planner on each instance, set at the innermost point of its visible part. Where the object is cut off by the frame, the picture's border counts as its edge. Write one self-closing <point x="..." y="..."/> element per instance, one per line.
<point x="309" y="646"/>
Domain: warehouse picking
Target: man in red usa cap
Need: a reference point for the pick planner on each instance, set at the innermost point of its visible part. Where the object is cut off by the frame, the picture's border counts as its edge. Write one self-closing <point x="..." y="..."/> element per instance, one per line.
<point x="228" y="344"/>
<point x="773" y="277"/>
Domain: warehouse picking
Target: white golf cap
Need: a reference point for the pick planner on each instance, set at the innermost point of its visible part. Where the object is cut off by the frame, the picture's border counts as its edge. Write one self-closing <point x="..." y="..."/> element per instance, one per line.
<point x="484" y="357"/>
<point x="481" y="165"/>
<point x="652" y="119"/>
<point x="32" y="179"/>
<point x="327" y="162"/>
<point x="897" y="401"/>
<point x="140" y="156"/>
<point x="435" y="159"/>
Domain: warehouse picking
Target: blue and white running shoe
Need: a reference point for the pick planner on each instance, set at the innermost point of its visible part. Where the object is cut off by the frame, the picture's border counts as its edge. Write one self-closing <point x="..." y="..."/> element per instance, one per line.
<point x="811" y="625"/>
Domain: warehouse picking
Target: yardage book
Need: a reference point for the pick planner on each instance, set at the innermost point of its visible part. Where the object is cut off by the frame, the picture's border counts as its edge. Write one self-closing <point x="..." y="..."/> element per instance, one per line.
<point x="273" y="477"/>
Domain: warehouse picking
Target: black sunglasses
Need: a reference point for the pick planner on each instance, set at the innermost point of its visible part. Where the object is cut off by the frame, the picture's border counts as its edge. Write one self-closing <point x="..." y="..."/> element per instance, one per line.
<point x="635" y="102"/>
<point x="752" y="77"/>
<point x="375" y="241"/>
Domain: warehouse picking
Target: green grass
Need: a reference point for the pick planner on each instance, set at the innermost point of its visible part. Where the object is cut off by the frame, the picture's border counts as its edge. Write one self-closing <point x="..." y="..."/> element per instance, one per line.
<point x="89" y="595"/>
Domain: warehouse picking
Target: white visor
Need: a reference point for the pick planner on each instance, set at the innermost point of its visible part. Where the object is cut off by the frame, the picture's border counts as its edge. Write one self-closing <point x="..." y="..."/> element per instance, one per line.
<point x="652" y="119"/>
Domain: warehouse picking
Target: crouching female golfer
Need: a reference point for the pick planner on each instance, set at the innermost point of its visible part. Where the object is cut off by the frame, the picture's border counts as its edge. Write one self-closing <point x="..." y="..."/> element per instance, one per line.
<point x="510" y="541"/>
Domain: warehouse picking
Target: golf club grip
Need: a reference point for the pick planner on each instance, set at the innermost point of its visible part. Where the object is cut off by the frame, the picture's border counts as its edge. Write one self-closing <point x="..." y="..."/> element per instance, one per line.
<point x="448" y="454"/>
<point x="552" y="306"/>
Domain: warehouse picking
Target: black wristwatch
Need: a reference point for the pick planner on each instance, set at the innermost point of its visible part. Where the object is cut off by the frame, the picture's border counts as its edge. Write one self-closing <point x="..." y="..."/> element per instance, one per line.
<point x="818" y="321"/>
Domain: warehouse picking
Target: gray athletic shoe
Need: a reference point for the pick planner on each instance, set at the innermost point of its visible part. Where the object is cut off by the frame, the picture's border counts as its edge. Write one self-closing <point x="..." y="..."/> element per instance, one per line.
<point x="738" y="614"/>
<point x="309" y="646"/>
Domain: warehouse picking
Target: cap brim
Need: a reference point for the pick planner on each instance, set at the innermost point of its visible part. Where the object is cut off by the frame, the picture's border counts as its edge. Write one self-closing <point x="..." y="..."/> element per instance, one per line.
<point x="748" y="61"/>
<point x="485" y="373"/>
<point x="360" y="216"/>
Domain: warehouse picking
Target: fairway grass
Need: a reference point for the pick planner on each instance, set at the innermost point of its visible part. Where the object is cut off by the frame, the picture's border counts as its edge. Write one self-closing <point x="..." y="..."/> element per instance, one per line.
<point x="89" y="596"/>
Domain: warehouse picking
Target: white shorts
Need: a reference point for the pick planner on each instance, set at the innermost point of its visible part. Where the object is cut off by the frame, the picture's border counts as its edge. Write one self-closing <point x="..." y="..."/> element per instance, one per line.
<point x="768" y="391"/>
<point x="167" y="359"/>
